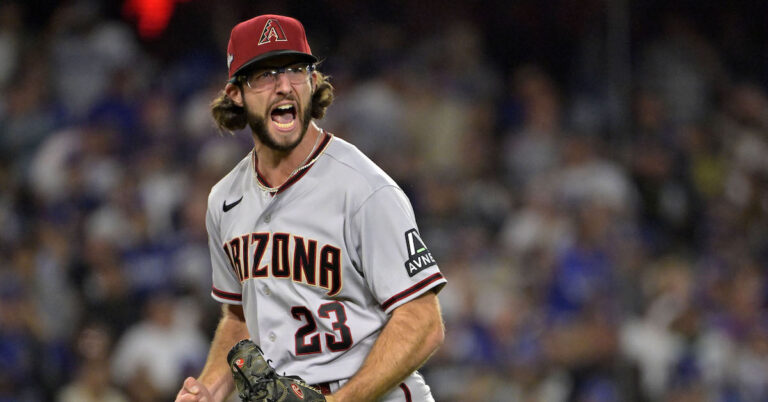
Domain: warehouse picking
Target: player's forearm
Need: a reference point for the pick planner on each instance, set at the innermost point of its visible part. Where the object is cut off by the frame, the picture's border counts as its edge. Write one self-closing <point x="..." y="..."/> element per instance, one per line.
<point x="409" y="338"/>
<point x="215" y="374"/>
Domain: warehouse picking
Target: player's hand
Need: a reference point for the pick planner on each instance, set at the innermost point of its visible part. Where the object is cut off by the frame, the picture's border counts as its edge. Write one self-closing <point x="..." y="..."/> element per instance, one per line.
<point x="193" y="390"/>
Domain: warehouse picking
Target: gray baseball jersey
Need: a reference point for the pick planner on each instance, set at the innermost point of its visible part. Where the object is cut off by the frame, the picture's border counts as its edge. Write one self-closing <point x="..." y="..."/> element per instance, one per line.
<point x="320" y="264"/>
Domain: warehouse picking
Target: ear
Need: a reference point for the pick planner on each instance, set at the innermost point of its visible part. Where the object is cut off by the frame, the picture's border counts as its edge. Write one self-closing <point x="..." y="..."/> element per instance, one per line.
<point x="314" y="81"/>
<point x="233" y="92"/>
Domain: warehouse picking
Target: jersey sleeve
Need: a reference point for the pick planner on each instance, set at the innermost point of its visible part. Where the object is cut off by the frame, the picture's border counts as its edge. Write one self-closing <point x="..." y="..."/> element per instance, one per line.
<point x="395" y="261"/>
<point x="226" y="286"/>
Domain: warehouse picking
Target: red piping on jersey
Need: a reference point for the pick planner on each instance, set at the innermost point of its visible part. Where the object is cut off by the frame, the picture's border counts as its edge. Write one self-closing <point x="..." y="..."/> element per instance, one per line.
<point x="227" y="295"/>
<point x="406" y="391"/>
<point x="293" y="179"/>
<point x="411" y="290"/>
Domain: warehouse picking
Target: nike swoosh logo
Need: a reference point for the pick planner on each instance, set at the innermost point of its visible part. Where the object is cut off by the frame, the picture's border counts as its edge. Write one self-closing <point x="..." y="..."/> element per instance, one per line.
<point x="227" y="207"/>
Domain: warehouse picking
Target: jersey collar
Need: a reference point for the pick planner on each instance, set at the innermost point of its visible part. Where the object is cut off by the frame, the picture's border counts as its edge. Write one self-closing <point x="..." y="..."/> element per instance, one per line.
<point x="297" y="174"/>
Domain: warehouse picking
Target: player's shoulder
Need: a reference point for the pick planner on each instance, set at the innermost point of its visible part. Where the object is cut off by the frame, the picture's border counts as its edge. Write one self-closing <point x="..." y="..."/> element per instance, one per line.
<point x="355" y="168"/>
<point x="233" y="183"/>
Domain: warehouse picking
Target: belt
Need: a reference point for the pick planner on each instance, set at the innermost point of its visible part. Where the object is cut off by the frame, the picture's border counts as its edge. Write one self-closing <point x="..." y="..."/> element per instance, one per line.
<point x="324" y="387"/>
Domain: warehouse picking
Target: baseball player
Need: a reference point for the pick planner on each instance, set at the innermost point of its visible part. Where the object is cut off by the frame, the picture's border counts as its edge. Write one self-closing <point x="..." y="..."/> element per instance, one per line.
<point x="315" y="250"/>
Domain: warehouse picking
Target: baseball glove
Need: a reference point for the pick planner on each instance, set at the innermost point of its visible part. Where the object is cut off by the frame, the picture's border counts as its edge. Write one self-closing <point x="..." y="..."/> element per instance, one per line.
<point x="256" y="380"/>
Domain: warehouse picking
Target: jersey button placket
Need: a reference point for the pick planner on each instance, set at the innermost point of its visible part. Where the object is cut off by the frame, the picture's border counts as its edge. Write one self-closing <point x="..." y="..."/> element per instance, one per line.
<point x="267" y="218"/>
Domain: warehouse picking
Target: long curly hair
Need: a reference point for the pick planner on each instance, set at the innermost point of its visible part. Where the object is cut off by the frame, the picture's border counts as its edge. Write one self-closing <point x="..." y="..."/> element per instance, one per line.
<point x="231" y="117"/>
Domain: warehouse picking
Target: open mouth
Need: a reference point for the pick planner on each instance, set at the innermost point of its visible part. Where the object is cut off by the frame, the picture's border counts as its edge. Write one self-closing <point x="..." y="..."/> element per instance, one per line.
<point x="284" y="117"/>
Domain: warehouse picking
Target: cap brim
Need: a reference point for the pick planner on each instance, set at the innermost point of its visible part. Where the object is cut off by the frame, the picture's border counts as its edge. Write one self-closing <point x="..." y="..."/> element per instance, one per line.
<point x="286" y="55"/>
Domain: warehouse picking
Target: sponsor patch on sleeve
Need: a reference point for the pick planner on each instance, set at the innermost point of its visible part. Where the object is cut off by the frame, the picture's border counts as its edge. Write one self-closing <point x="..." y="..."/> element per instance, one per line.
<point x="419" y="258"/>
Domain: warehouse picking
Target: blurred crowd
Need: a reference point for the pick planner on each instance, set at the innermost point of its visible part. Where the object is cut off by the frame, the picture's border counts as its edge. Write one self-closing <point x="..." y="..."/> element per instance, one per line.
<point x="596" y="248"/>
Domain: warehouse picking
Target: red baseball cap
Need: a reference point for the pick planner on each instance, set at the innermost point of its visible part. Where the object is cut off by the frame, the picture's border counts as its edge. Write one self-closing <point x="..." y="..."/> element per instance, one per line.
<point x="264" y="37"/>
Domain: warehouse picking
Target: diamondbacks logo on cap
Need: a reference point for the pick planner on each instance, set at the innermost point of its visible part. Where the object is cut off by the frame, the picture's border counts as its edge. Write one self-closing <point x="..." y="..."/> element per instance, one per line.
<point x="419" y="258"/>
<point x="272" y="32"/>
<point x="240" y="362"/>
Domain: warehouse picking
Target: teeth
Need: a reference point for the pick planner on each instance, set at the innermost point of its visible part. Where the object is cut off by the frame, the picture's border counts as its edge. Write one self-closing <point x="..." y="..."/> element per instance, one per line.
<point x="283" y="125"/>
<point x="284" y="107"/>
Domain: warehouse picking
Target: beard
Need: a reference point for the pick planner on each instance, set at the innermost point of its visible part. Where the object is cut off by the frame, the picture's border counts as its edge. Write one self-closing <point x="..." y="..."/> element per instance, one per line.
<point x="258" y="125"/>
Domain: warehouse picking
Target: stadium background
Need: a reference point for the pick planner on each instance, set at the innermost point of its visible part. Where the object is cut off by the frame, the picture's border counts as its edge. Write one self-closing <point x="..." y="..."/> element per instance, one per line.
<point x="591" y="176"/>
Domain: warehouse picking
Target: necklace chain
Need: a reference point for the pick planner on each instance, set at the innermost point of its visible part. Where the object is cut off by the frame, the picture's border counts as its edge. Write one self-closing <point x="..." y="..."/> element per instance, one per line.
<point x="304" y="164"/>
